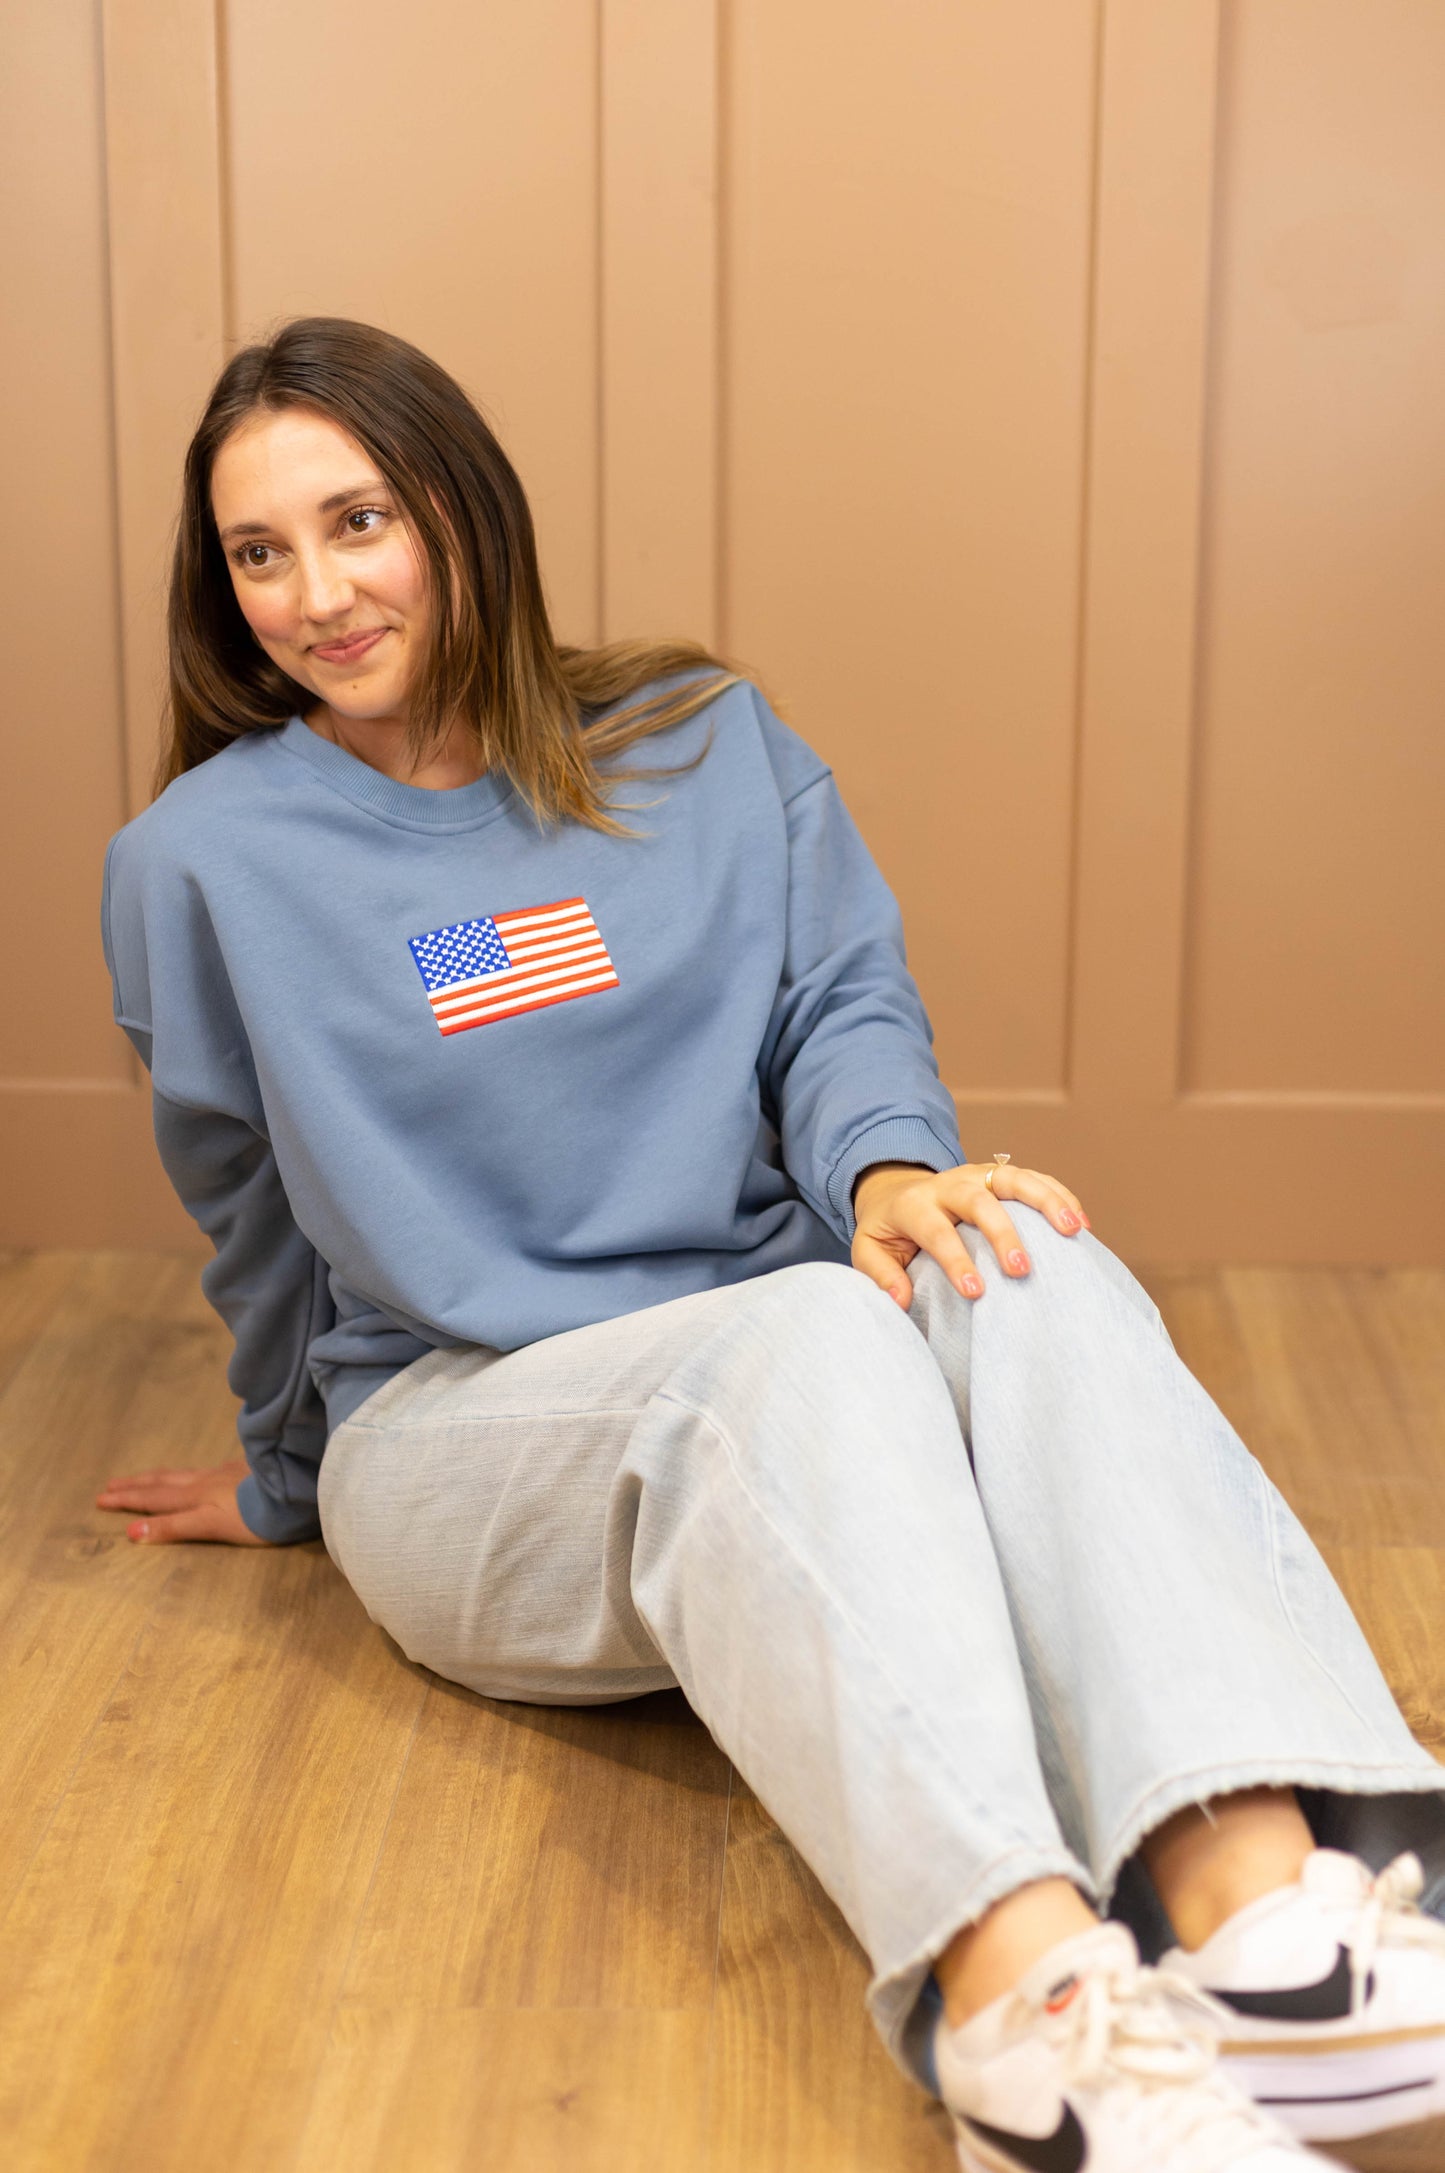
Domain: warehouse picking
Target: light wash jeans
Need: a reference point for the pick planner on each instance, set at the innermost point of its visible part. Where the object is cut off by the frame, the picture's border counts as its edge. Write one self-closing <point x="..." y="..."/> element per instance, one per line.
<point x="969" y="1594"/>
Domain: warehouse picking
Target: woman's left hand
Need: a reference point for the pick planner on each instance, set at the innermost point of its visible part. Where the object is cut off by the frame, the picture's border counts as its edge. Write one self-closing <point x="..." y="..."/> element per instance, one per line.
<point x="902" y="1209"/>
<point x="183" y="1503"/>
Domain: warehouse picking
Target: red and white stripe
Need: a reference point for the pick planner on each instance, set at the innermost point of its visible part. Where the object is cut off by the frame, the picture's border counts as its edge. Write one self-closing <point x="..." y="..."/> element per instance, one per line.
<point x="556" y="953"/>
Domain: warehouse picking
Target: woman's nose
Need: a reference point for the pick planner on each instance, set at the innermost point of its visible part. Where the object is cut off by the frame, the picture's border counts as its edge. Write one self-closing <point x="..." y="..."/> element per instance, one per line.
<point x="327" y="591"/>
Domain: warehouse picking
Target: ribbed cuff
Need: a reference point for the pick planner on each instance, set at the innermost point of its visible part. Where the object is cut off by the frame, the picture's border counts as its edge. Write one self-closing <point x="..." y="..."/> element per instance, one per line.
<point x="283" y="1524"/>
<point x="895" y="1139"/>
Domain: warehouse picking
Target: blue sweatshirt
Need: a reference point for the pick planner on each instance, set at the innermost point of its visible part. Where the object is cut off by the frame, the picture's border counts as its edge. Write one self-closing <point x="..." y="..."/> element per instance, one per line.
<point x="428" y="1073"/>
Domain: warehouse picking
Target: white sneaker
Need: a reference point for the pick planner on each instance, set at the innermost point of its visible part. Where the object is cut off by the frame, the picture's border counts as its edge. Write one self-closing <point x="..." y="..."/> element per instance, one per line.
<point x="1331" y="1998"/>
<point x="1087" y="2067"/>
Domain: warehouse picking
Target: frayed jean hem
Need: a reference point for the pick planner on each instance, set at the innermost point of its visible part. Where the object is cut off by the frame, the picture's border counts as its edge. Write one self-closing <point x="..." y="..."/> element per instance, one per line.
<point x="905" y="2001"/>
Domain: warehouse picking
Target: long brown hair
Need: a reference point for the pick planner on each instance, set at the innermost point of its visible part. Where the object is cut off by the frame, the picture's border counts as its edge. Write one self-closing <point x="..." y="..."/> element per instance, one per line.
<point x="527" y="705"/>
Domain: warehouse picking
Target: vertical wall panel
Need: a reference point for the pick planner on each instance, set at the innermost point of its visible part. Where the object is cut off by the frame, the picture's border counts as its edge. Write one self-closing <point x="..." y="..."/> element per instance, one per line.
<point x="61" y="733"/>
<point x="77" y="1162"/>
<point x="908" y="196"/>
<point x="1318" y="901"/>
<point x="1047" y="413"/>
<point x="163" y="222"/>
<point x="435" y="172"/>
<point x="1151" y="301"/>
<point x="659" y="249"/>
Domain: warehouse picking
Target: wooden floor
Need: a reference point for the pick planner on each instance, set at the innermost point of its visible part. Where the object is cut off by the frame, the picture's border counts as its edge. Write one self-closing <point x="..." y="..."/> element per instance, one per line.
<point x="275" y="1898"/>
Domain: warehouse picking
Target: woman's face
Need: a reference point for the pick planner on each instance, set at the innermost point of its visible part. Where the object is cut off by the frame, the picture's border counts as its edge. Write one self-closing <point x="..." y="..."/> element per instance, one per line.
<point x="323" y="561"/>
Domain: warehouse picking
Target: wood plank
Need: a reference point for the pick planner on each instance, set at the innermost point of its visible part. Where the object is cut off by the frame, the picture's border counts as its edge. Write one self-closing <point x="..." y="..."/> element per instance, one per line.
<point x="800" y="2078"/>
<point x="1398" y="1593"/>
<point x="559" y="1857"/>
<point x="410" y="2091"/>
<point x="116" y="1370"/>
<point x="1334" y="1410"/>
<point x="32" y="1286"/>
<point x="1415" y="2151"/>
<point x="125" y="1365"/>
<point x="174" y="1951"/>
<point x="74" y="1348"/>
<point x="277" y="1896"/>
<point x="1402" y="1318"/>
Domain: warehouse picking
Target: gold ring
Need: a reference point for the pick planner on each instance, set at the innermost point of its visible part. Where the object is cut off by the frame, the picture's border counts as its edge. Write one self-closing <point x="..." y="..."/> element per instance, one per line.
<point x="998" y="1163"/>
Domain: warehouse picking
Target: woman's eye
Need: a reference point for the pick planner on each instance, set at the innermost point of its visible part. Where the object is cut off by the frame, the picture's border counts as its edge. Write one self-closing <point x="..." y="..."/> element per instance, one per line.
<point x="252" y="554"/>
<point x="368" y="514"/>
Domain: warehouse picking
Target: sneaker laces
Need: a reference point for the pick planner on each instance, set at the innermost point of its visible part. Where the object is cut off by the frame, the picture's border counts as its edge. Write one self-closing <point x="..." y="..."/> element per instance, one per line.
<point x="1124" y="2024"/>
<point x="1391" y="1916"/>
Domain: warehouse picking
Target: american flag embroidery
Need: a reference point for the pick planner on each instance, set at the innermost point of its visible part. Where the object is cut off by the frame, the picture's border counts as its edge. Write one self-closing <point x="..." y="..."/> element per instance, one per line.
<point x="481" y="970"/>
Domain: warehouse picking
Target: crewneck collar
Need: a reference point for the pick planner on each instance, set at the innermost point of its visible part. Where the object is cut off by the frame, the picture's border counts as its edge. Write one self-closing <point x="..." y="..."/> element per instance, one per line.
<point x="453" y="807"/>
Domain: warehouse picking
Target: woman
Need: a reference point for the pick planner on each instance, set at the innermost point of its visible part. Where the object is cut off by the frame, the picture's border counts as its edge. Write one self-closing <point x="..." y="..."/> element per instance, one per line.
<point x="589" y="1195"/>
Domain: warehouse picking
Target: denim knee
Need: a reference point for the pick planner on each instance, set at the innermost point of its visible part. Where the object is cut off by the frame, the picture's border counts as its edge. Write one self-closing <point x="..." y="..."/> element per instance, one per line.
<point x="1079" y="1254"/>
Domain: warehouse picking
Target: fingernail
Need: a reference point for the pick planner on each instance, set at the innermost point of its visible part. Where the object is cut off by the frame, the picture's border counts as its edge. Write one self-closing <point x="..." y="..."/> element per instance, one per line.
<point x="972" y="1286"/>
<point x="1019" y="1262"/>
<point x="1067" y="1219"/>
<point x="138" y="1531"/>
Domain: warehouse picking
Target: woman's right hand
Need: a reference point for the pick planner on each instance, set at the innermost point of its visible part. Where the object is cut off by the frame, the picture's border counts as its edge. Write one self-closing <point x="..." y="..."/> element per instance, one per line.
<point x="199" y="1503"/>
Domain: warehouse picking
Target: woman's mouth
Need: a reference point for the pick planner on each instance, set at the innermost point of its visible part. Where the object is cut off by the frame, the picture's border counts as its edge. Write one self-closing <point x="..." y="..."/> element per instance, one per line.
<point x="350" y="647"/>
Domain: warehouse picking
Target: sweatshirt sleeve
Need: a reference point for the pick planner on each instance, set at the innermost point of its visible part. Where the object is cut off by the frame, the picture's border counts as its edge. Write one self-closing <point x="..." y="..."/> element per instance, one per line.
<point x="266" y="1280"/>
<point x="848" y="1055"/>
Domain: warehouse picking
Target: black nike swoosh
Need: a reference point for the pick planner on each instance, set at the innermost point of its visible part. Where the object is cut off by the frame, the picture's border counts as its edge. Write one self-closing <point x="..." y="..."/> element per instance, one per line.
<point x="1327" y="2001"/>
<point x="1062" y="2152"/>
